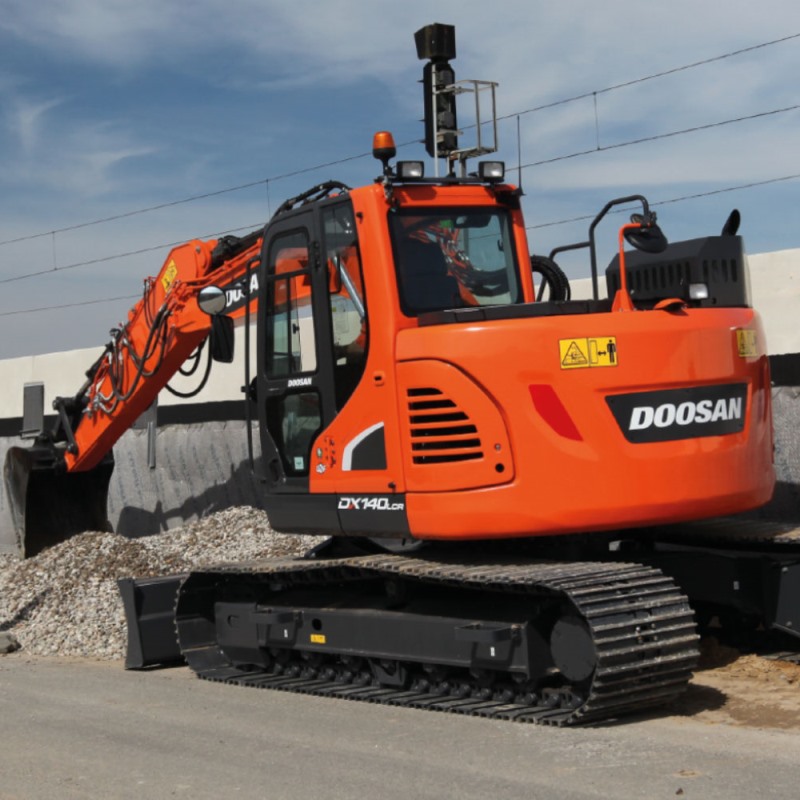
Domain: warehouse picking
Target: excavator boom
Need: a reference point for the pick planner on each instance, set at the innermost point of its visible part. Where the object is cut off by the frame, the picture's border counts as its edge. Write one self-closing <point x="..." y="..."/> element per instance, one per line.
<point x="59" y="486"/>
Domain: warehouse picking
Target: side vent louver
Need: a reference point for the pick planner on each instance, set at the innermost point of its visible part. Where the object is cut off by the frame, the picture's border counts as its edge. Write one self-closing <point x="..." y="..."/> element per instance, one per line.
<point x="441" y="432"/>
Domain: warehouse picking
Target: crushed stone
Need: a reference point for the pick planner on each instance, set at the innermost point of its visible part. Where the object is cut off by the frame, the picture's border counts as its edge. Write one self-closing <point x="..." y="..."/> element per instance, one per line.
<point x="65" y="601"/>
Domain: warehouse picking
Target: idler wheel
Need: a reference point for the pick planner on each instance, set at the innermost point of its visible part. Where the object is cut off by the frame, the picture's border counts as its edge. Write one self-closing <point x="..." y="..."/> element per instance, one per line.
<point x="573" y="649"/>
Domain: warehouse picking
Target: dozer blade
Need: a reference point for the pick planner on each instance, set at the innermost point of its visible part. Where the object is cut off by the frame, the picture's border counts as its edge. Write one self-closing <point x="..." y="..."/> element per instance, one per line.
<point x="48" y="505"/>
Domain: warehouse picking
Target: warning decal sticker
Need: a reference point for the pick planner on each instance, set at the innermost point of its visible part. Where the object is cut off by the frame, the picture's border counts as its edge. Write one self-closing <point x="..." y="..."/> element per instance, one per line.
<point x="169" y="275"/>
<point x="600" y="351"/>
<point x="747" y="343"/>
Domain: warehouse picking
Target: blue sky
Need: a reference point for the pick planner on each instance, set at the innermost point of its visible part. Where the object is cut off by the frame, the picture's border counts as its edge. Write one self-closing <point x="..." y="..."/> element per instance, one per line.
<point x="109" y="107"/>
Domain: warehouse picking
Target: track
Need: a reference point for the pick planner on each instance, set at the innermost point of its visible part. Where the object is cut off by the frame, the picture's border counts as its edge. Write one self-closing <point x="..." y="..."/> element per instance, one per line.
<point x="628" y="622"/>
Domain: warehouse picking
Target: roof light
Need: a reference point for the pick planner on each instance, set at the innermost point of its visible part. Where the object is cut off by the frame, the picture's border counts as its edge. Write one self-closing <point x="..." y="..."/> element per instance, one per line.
<point x="491" y="170"/>
<point x="383" y="148"/>
<point x="410" y="170"/>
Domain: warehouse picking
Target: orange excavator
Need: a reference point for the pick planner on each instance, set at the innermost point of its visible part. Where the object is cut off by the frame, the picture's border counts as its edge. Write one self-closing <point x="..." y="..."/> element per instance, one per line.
<point x="512" y="487"/>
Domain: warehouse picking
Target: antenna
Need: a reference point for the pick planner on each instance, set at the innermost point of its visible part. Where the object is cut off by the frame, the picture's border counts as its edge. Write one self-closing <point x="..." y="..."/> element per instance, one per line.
<point x="519" y="158"/>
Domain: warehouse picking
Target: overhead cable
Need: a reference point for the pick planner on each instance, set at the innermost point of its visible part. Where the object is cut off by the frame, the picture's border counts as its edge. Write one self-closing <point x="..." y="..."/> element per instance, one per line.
<point x="304" y="170"/>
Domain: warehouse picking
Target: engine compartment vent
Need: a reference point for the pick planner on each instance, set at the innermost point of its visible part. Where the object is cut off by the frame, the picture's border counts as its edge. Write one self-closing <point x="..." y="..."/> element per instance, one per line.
<point x="719" y="262"/>
<point x="441" y="431"/>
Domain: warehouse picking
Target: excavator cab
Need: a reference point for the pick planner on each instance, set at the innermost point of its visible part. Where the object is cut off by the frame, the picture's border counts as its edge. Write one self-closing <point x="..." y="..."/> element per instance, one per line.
<point x="335" y="294"/>
<point x="470" y="410"/>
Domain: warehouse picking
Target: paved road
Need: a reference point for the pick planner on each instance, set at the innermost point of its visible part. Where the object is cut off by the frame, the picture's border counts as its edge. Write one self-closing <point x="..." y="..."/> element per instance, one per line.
<point x="85" y="729"/>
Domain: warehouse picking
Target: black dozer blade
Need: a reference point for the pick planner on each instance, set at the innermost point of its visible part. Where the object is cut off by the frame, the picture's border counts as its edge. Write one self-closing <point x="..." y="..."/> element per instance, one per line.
<point x="49" y="505"/>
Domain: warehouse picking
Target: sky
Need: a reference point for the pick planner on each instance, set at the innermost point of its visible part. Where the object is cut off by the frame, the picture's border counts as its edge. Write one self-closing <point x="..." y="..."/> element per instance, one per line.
<point x="157" y="112"/>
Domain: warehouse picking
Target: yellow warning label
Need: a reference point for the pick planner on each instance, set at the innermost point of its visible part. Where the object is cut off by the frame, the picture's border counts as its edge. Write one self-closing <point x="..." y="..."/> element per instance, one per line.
<point x="600" y="351"/>
<point x="169" y="275"/>
<point x="574" y="353"/>
<point x="317" y="638"/>
<point x="747" y="343"/>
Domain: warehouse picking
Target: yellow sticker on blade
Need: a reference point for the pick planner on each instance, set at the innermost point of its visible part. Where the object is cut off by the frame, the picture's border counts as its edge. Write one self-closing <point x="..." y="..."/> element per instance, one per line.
<point x="168" y="277"/>
<point x="598" y="351"/>
<point x="747" y="343"/>
<point x="317" y="638"/>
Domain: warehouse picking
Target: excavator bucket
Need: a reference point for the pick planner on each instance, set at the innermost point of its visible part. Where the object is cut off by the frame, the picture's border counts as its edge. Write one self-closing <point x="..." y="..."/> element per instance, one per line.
<point x="48" y="505"/>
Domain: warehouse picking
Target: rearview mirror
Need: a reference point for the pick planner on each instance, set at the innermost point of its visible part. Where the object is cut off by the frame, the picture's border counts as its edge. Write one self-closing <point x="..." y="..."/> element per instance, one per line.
<point x="212" y="300"/>
<point x="649" y="238"/>
<point x="222" y="339"/>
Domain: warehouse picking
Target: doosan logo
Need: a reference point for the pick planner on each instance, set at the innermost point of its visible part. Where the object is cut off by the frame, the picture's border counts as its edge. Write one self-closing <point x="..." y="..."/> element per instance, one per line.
<point x="235" y="295"/>
<point x="686" y="413"/>
<point x="690" y="413"/>
<point x="295" y="382"/>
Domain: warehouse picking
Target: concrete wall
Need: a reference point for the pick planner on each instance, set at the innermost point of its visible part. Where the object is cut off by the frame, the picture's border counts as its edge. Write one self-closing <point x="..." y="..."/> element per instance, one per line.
<point x="63" y="374"/>
<point x="204" y="467"/>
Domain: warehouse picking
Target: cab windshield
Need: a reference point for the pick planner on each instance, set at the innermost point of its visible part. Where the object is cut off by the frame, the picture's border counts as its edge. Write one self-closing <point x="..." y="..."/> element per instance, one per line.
<point x="454" y="258"/>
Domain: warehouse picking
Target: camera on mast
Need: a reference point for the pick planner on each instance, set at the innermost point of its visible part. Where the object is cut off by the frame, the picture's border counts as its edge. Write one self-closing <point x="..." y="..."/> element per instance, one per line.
<point x="437" y="43"/>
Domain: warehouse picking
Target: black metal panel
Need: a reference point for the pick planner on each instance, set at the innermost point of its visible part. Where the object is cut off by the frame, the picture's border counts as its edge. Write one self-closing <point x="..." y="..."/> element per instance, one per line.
<point x="303" y="513"/>
<point x="755" y="584"/>
<point x="370" y="452"/>
<point x="374" y="514"/>
<point x="785" y="369"/>
<point x="376" y="634"/>
<point x="470" y="316"/>
<point x="784" y="582"/>
<point x="717" y="261"/>
<point x="32" y="410"/>
<point x="149" y="605"/>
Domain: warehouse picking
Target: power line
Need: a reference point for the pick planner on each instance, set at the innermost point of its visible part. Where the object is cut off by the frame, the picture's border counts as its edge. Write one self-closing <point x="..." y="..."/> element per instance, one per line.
<point x="266" y="181"/>
<point x="126" y="214"/>
<point x="583" y="218"/>
<point x="542" y="162"/>
<point x="682" y="198"/>
<point x="295" y="173"/>
<point x="555" y="159"/>
<point x="69" y="305"/>
<point x="658" y="136"/>
<point x="655" y="75"/>
<point x="117" y="256"/>
<point x="171" y="204"/>
<point x="712" y="192"/>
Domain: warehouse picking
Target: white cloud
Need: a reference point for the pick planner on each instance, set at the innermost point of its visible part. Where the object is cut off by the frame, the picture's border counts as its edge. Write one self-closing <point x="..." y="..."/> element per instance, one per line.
<point x="75" y="160"/>
<point x="69" y="157"/>
<point x="26" y="118"/>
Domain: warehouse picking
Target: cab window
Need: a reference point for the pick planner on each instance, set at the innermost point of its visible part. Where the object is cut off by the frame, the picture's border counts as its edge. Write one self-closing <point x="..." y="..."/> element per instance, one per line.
<point x="454" y="258"/>
<point x="290" y="333"/>
<point x="348" y="304"/>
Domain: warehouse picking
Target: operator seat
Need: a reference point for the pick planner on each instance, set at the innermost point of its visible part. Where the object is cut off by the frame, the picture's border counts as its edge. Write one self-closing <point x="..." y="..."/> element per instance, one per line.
<point x="425" y="282"/>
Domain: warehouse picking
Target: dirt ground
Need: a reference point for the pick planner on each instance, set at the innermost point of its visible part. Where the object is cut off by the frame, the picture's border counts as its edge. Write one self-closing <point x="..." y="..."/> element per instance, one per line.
<point x="742" y="690"/>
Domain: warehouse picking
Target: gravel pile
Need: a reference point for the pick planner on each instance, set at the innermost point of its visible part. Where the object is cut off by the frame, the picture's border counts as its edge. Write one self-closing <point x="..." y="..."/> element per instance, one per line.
<point x="65" y="600"/>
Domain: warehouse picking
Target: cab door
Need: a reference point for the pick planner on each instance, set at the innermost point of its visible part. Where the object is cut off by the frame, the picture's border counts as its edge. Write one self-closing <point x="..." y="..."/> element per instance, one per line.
<point x="295" y="388"/>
